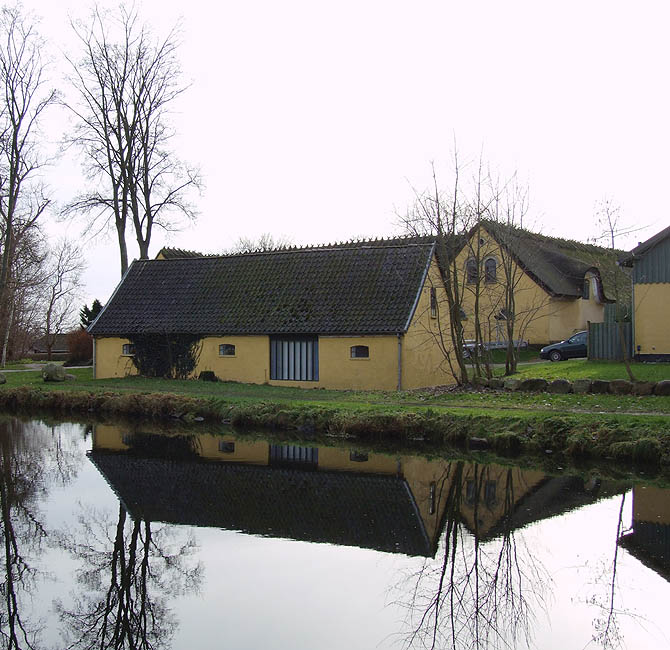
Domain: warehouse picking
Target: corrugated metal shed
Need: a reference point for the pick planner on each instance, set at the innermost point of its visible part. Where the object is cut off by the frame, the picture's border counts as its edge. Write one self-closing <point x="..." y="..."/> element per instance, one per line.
<point x="653" y="265"/>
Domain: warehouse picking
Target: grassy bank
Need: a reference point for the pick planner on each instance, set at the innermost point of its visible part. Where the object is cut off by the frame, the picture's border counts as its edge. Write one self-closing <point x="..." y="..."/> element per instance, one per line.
<point x="623" y="428"/>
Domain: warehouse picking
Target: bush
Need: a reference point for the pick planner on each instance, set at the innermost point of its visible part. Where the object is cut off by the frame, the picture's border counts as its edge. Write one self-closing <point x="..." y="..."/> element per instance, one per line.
<point x="80" y="345"/>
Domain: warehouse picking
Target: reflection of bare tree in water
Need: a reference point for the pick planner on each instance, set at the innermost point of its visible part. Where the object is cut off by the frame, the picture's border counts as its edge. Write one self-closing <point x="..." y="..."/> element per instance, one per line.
<point x="129" y="568"/>
<point x="31" y="458"/>
<point x="479" y="595"/>
<point x="607" y="630"/>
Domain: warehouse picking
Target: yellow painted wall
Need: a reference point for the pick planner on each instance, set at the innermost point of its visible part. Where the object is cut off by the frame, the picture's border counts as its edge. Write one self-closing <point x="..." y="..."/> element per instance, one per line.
<point x="109" y="358"/>
<point x="652" y="315"/>
<point x="651" y="504"/>
<point x="541" y="318"/>
<point x="423" y="346"/>
<point x="251" y="363"/>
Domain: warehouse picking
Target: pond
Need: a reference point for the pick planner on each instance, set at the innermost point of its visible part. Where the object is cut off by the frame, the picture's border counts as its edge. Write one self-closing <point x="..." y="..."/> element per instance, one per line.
<point x="119" y="538"/>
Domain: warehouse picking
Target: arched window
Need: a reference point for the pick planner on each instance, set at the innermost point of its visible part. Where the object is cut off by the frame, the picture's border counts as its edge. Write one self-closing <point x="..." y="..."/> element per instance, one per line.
<point x="490" y="269"/>
<point x="360" y="352"/>
<point x="226" y="350"/>
<point x="471" y="271"/>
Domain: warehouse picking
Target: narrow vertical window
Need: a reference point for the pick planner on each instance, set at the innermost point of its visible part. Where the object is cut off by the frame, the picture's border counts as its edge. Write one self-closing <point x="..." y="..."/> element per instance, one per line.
<point x="433" y="302"/>
<point x="490" y="270"/>
<point x="586" y="293"/>
<point x="471" y="271"/>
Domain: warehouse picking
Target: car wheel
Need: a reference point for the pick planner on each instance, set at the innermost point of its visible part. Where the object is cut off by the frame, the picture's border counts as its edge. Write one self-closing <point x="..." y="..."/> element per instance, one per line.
<point x="555" y="355"/>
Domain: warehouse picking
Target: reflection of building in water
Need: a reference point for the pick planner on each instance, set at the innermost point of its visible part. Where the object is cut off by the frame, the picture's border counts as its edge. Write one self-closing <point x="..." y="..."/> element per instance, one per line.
<point x="649" y="540"/>
<point x="325" y="494"/>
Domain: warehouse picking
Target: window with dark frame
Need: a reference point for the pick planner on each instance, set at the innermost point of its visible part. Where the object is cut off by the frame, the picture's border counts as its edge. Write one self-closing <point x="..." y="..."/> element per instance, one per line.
<point x="360" y="352"/>
<point x="226" y="446"/>
<point x="433" y="302"/>
<point x="226" y="350"/>
<point x="128" y="349"/>
<point x="490" y="270"/>
<point x="471" y="271"/>
<point x="586" y="292"/>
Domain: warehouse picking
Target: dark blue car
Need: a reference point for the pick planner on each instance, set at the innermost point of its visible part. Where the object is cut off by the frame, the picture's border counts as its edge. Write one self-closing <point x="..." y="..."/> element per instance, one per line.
<point x="573" y="348"/>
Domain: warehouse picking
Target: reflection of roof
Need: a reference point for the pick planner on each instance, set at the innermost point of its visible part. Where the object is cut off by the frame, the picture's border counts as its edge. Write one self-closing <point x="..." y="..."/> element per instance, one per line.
<point x="368" y="511"/>
<point x="550" y="498"/>
<point x="650" y="544"/>
<point x="360" y="289"/>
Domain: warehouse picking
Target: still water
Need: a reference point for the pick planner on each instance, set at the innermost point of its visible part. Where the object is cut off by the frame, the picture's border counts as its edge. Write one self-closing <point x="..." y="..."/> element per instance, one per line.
<point x="117" y="538"/>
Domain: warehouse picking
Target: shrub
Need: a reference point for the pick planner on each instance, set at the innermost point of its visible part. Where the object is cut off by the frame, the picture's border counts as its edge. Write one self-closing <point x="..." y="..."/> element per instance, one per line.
<point x="80" y="345"/>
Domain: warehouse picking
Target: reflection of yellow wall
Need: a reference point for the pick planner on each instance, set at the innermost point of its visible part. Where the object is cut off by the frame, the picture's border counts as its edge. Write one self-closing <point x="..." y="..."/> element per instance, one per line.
<point x="422" y="361"/>
<point x="541" y="318"/>
<point x="107" y="436"/>
<point x="651" y="504"/>
<point x="338" y="459"/>
<point x="652" y="314"/>
<point x="249" y="452"/>
<point x="429" y="480"/>
<point x="490" y="511"/>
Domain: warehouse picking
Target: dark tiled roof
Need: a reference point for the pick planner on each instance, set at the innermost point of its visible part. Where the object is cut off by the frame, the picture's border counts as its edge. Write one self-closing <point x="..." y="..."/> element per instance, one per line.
<point x="559" y="265"/>
<point x="355" y="289"/>
<point x="60" y="344"/>
<point x="368" y="511"/>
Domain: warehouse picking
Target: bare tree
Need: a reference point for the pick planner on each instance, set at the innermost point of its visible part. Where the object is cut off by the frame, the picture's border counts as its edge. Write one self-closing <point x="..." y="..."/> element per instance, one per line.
<point x="25" y="97"/>
<point x="265" y="242"/>
<point x="61" y="287"/>
<point x="129" y="570"/>
<point x="127" y="82"/>
<point x="609" y="218"/>
<point x="444" y="215"/>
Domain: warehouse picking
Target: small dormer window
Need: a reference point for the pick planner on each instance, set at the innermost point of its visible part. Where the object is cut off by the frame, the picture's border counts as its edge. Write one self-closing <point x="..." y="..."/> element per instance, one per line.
<point x="586" y="291"/>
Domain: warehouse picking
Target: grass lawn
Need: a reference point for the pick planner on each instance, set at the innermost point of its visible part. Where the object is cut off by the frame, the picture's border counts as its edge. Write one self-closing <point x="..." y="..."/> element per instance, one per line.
<point x="585" y="369"/>
<point x="465" y="402"/>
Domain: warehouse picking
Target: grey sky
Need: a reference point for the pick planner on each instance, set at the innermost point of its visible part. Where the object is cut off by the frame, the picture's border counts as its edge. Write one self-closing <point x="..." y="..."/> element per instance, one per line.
<point x="314" y="120"/>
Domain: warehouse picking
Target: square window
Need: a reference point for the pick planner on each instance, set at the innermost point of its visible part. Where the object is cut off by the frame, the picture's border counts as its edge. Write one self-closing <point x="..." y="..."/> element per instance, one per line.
<point x="128" y="349"/>
<point x="226" y="350"/>
<point x="226" y="446"/>
<point x="360" y="352"/>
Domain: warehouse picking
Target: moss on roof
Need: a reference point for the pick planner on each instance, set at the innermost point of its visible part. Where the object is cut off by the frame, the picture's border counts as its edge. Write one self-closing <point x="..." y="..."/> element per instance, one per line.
<point x="364" y="289"/>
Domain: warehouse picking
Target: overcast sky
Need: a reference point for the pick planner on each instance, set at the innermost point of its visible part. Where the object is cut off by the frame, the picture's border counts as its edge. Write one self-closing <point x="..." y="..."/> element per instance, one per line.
<point x="314" y="120"/>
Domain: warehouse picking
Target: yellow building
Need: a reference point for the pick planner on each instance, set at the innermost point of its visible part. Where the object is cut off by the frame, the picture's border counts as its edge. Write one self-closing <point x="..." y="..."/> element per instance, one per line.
<point x="556" y="284"/>
<point x="353" y="316"/>
<point x="650" y="263"/>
